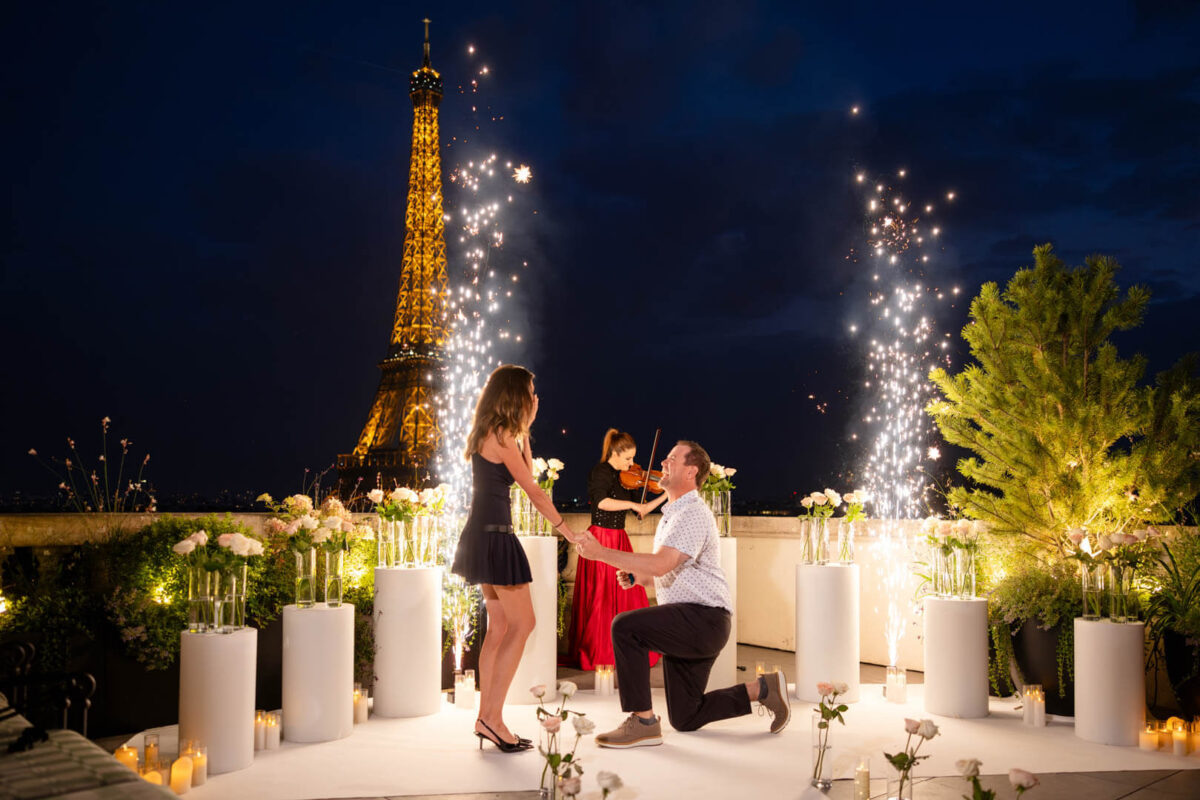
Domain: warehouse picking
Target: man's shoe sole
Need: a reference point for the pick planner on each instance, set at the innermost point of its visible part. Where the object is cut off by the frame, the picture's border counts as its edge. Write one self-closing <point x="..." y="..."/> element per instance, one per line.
<point x="645" y="741"/>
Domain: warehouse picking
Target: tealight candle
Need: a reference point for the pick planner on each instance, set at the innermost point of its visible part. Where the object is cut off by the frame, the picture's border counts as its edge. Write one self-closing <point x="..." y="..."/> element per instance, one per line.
<point x="896" y="688"/>
<point x="605" y="680"/>
<point x="862" y="778"/>
<point x="181" y="775"/>
<point x="464" y="690"/>
<point x="260" y="730"/>
<point x="199" y="755"/>
<point x="128" y="756"/>
<point x="274" y="723"/>
<point x="1148" y="737"/>
<point x="150" y="749"/>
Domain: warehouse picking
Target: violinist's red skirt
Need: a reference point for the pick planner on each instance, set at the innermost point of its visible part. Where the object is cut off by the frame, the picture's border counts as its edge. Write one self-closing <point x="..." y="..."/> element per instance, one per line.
<point x="598" y="598"/>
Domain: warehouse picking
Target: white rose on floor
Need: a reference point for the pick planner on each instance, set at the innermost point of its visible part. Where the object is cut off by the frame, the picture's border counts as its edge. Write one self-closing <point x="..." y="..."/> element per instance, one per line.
<point x="968" y="767"/>
<point x="1019" y="777"/>
<point x="184" y="547"/>
<point x="583" y="725"/>
<point x="609" y="781"/>
<point x="375" y="496"/>
<point x="567" y="688"/>
<point x="555" y="464"/>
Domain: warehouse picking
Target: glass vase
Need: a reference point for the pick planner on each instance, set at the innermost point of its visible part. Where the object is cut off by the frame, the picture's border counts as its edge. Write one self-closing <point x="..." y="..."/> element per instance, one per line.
<point x="406" y="549"/>
<point x="306" y="577"/>
<point x="541" y="525"/>
<point x="899" y="784"/>
<point x="719" y="504"/>
<point x="386" y="544"/>
<point x="199" y="598"/>
<point x="806" y="542"/>
<point x="820" y="543"/>
<point x="964" y="573"/>
<point x="822" y="757"/>
<point x="1092" y="577"/>
<point x="334" y="570"/>
<point x="233" y="598"/>
<point x="846" y="542"/>
<point x="1120" y="579"/>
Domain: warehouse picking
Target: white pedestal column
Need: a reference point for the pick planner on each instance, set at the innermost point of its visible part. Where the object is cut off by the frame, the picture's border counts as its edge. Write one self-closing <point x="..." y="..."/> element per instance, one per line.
<point x="408" y="642"/>
<point x="539" y="661"/>
<point x="216" y="695"/>
<point x="826" y="629"/>
<point x="1110" y="693"/>
<point x="318" y="673"/>
<point x="956" y="657"/>
<point x="724" y="671"/>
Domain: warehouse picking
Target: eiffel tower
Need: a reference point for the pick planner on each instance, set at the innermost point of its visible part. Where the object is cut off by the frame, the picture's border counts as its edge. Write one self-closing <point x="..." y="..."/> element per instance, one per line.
<point x="400" y="439"/>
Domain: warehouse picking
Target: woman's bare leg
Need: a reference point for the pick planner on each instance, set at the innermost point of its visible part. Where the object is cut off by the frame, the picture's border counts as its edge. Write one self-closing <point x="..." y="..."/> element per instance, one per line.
<point x="503" y="652"/>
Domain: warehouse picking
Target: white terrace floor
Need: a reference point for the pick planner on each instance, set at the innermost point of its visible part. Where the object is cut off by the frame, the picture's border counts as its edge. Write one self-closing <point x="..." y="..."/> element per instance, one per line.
<point x="436" y="756"/>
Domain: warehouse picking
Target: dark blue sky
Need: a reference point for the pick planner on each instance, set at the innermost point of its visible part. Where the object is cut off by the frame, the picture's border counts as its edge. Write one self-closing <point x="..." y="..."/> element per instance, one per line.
<point x="205" y="209"/>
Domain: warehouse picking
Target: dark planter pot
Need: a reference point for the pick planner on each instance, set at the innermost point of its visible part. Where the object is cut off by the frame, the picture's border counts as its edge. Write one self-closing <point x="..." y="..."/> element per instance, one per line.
<point x="1036" y="651"/>
<point x="268" y="681"/>
<point x="1183" y="670"/>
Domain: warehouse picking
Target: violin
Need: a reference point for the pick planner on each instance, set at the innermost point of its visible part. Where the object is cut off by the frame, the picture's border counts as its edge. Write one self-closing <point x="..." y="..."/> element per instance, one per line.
<point x="636" y="478"/>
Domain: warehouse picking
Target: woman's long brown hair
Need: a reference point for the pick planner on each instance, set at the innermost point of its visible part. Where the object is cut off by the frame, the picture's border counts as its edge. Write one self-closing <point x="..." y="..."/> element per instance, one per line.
<point x="617" y="441"/>
<point x="504" y="406"/>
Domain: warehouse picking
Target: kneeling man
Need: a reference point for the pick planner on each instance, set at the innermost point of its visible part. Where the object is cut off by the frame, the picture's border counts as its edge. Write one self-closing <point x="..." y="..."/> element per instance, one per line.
<point x="689" y="626"/>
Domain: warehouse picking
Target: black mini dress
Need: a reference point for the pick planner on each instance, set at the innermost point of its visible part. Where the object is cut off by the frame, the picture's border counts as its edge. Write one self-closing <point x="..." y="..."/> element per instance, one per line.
<point x="488" y="550"/>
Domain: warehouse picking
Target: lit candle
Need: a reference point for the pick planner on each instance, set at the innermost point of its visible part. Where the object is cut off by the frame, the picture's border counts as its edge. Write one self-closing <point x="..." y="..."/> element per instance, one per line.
<point x="150" y="749"/>
<point x="897" y="685"/>
<point x="1039" y="708"/>
<point x="274" y="722"/>
<point x="760" y="669"/>
<point x="181" y="775"/>
<point x="862" y="779"/>
<point x="260" y="730"/>
<point x="464" y="690"/>
<point x="152" y="776"/>
<point x="127" y="756"/>
<point x="199" y="756"/>
<point x="1179" y="738"/>
<point x="1148" y="737"/>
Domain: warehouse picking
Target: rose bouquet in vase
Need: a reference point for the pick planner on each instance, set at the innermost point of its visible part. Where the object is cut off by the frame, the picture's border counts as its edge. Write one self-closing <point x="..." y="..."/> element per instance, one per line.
<point x="561" y="768"/>
<point x="818" y="508"/>
<point x="717" y="491"/>
<point x="900" y="782"/>
<point x="827" y="711"/>
<point x="856" y="502"/>
<point x="294" y="520"/>
<point x="333" y="537"/>
<point x="396" y="510"/>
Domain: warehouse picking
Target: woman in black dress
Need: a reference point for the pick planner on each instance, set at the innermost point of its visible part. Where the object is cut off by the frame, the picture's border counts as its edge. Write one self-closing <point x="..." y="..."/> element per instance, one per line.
<point x="488" y="551"/>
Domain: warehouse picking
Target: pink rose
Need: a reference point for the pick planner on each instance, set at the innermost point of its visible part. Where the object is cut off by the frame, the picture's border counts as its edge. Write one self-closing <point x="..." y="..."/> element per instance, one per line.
<point x="824" y="689"/>
<point x="571" y="786"/>
<point x="911" y="726"/>
<point x="1019" y="778"/>
<point x="551" y="724"/>
<point x="224" y="539"/>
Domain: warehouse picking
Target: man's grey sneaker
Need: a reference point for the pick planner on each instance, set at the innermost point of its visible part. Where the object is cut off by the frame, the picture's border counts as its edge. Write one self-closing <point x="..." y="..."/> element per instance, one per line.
<point x="776" y="701"/>
<point x="632" y="733"/>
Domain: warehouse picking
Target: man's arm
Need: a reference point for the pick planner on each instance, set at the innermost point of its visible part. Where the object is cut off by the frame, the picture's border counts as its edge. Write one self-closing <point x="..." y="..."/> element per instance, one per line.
<point x="643" y="565"/>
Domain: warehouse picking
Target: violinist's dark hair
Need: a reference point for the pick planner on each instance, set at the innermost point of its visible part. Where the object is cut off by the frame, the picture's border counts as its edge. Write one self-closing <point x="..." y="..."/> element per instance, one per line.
<point x="696" y="457"/>
<point x="615" y="441"/>
<point x="504" y="408"/>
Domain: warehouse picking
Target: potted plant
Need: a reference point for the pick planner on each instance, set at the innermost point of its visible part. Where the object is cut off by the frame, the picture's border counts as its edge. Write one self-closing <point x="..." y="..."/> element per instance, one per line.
<point x="1173" y="618"/>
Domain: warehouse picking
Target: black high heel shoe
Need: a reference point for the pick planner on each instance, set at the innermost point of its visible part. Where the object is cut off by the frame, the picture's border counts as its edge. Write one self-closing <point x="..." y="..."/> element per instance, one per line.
<point x="501" y="745"/>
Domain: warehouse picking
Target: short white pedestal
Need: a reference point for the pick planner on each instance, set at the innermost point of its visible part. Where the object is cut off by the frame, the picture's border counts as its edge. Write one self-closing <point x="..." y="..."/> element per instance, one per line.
<point x="724" y="670"/>
<point x="216" y="695"/>
<point x="826" y="629"/>
<point x="408" y="642"/>
<point x="539" y="661"/>
<point x="1110" y="693"/>
<point x="956" y="657"/>
<point x="318" y="673"/>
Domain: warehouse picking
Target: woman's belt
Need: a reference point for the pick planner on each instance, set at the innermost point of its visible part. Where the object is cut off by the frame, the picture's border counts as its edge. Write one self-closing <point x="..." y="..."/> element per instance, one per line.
<point x="498" y="528"/>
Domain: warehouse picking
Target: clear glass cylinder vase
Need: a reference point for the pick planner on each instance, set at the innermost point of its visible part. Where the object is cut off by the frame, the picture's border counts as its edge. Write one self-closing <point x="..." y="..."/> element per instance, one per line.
<point x="719" y="504"/>
<point x="306" y="577"/>
<point x="334" y="571"/>
<point x="899" y="784"/>
<point x="385" y="543"/>
<point x="846" y="542"/>
<point x="1092" y="578"/>
<point x="964" y="573"/>
<point x="199" y="598"/>
<point x="233" y="597"/>
<point x="822" y="758"/>
<point x="820" y="543"/>
<point x="1120" y="592"/>
<point x="806" y="542"/>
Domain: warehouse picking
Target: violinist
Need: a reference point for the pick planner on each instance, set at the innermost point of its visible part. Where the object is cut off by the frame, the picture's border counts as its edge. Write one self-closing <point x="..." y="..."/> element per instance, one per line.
<point x="598" y="598"/>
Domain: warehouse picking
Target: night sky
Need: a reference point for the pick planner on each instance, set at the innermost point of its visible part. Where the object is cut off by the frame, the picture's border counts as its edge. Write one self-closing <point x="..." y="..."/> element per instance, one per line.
<point x="204" y="224"/>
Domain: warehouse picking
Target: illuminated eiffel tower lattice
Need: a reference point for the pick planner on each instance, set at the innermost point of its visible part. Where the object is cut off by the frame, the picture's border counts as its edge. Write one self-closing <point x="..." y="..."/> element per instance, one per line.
<point x="401" y="437"/>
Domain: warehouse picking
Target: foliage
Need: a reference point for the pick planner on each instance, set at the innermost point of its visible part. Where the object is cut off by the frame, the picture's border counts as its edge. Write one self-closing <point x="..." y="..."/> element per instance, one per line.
<point x="51" y="604"/>
<point x="1174" y="601"/>
<point x="99" y="490"/>
<point x="1062" y="433"/>
<point x="560" y="765"/>
<point x="718" y="479"/>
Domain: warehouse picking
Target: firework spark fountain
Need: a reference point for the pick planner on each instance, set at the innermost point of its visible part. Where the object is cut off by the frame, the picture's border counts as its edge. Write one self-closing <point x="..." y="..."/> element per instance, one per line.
<point x="902" y="349"/>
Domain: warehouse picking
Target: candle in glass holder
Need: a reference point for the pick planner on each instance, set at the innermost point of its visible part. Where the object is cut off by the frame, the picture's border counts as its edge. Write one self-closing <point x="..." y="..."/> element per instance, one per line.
<point x="260" y="729"/>
<point x="464" y="690"/>
<point x="1179" y="739"/>
<point x="181" y="774"/>
<point x="1148" y="736"/>
<point x="274" y="726"/>
<point x="150" y="749"/>
<point x="199" y="756"/>
<point x="151" y="773"/>
<point x="896" y="688"/>
<point x="862" y="778"/>
<point x="128" y="756"/>
<point x="605" y="680"/>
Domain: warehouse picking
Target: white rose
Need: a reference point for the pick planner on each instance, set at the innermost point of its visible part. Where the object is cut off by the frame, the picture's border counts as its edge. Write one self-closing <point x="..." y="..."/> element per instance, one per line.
<point x="539" y="466"/>
<point x="609" y="781"/>
<point x="729" y="472"/>
<point x="835" y="499"/>
<point x="240" y="545"/>
<point x="841" y="687"/>
<point x="567" y="688"/>
<point x="571" y="786"/>
<point x="321" y="535"/>
<point x="538" y="691"/>
<point x="927" y="730"/>
<point x="555" y="464"/>
<point x="962" y="526"/>
<point x="819" y="499"/>
<point x="309" y="523"/>
<point x="552" y="474"/>
<point x="375" y="496"/>
<point x="425" y="496"/>
<point x="184" y="547"/>
<point x="1019" y="777"/>
<point x="583" y="725"/>
<point x="807" y="502"/>
<point x="968" y="767"/>
<point x="256" y="547"/>
<point x="200" y="537"/>
<point x="945" y="528"/>
<point x="716" y="470"/>
<point x="851" y="498"/>
<point x="863" y="495"/>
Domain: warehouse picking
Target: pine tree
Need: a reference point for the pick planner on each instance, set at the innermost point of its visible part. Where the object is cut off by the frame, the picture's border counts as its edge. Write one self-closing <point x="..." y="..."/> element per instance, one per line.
<point x="1062" y="431"/>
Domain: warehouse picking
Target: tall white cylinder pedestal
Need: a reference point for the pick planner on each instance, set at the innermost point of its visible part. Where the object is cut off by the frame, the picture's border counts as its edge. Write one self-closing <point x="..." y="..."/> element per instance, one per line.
<point x="408" y="642"/>
<point x="1110" y="683"/>
<point x="724" y="670"/>
<point x="827" y="647"/>
<point x="216" y="695"/>
<point x="539" y="661"/>
<point x="956" y="657"/>
<point x="318" y="673"/>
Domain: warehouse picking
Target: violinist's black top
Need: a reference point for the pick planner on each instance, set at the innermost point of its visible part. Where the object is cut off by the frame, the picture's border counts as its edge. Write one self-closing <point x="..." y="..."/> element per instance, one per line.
<point x="488" y="550"/>
<point x="604" y="481"/>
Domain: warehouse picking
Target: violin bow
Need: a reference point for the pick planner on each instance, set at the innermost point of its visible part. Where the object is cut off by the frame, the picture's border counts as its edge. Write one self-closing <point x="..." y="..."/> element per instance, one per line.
<point x="650" y="463"/>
